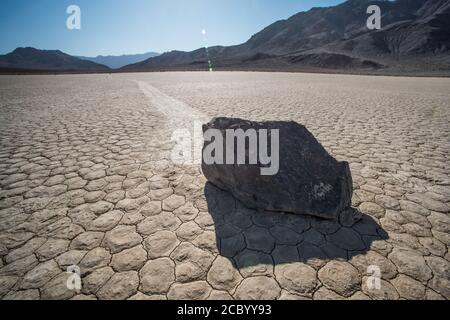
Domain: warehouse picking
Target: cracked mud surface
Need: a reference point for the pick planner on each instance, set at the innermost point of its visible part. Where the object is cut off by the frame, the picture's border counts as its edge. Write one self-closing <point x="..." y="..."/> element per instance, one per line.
<point x="86" y="179"/>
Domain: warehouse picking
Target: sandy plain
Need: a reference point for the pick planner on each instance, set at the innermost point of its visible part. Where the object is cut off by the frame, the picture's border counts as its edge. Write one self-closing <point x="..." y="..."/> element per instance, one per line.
<point x="86" y="180"/>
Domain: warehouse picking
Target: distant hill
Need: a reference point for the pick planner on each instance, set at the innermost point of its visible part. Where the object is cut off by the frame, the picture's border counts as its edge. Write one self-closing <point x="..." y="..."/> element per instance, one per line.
<point x="115" y="62"/>
<point x="50" y="60"/>
<point x="415" y="37"/>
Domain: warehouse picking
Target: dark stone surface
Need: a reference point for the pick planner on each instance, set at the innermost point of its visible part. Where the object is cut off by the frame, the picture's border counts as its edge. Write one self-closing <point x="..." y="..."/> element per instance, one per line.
<point x="309" y="180"/>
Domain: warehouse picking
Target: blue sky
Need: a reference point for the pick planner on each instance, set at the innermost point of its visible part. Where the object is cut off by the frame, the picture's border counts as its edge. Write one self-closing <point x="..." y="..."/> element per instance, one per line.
<point x="137" y="26"/>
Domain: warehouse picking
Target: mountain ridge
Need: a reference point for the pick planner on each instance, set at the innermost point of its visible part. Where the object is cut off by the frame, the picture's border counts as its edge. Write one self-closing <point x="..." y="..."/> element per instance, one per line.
<point x="413" y="31"/>
<point x="414" y="39"/>
<point x="119" y="61"/>
<point x="28" y="58"/>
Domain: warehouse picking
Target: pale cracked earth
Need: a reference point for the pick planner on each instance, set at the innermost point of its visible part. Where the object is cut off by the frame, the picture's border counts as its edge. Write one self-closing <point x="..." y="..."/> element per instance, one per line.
<point x="86" y="179"/>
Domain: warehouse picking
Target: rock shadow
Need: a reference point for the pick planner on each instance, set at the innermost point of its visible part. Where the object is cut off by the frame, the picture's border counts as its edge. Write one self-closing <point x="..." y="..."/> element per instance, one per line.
<point x="257" y="240"/>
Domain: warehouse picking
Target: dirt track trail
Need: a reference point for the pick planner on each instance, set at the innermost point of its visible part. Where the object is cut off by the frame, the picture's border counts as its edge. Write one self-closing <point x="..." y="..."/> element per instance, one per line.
<point x="86" y="179"/>
<point x="178" y="113"/>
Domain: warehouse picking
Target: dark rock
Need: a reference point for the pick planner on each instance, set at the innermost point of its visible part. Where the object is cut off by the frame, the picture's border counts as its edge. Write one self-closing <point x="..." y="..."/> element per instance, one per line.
<point x="309" y="181"/>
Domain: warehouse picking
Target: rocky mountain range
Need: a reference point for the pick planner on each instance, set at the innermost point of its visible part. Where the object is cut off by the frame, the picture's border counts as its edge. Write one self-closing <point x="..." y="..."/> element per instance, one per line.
<point x="414" y="38"/>
<point x="115" y="62"/>
<point x="32" y="59"/>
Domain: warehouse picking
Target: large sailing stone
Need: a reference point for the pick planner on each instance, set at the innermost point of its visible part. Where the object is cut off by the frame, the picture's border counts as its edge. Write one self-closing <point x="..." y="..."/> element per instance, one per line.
<point x="309" y="181"/>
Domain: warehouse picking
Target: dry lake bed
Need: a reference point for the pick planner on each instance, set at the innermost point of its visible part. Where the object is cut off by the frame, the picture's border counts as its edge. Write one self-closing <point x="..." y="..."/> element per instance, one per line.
<point x="86" y="184"/>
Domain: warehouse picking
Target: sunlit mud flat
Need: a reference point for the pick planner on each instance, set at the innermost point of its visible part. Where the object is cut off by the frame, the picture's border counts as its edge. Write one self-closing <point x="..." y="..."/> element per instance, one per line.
<point x="87" y="181"/>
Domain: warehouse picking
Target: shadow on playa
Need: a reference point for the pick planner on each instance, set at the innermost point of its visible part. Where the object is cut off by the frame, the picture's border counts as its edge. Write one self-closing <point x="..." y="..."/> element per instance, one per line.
<point x="257" y="240"/>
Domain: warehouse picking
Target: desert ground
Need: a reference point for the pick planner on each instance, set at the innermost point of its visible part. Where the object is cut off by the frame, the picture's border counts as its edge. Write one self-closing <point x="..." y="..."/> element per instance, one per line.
<point x="86" y="179"/>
